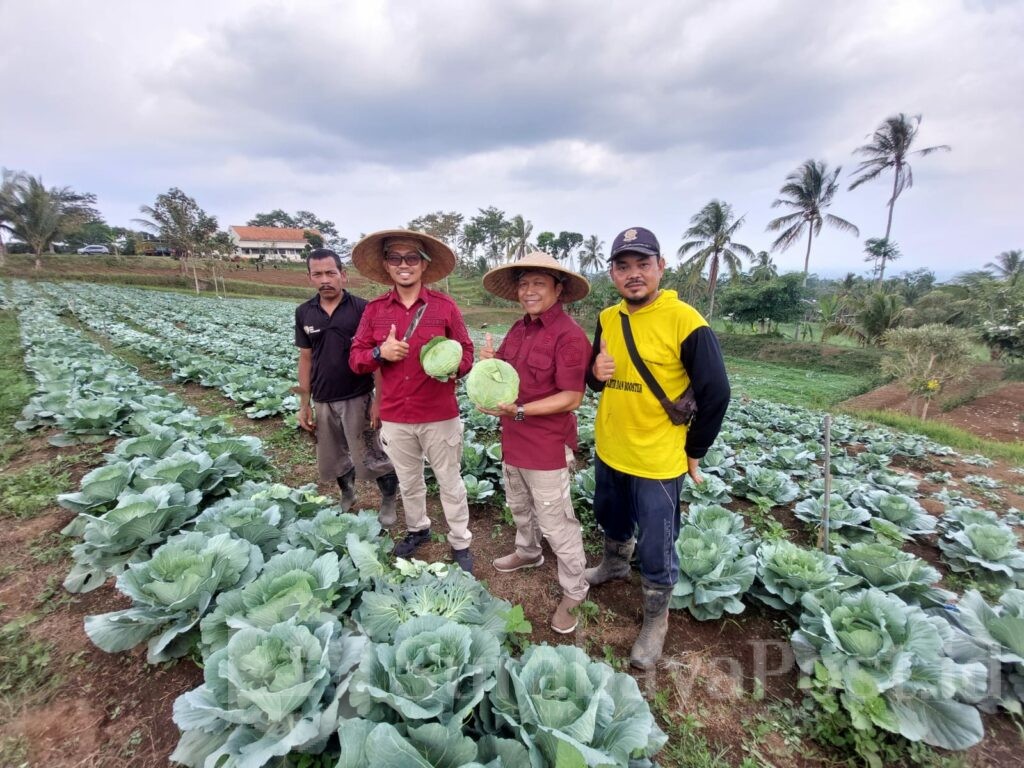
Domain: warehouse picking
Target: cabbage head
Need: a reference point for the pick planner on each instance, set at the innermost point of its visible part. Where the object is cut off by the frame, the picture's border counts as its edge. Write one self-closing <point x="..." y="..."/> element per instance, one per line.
<point x="889" y="569"/>
<point x="786" y="572"/>
<point x="571" y="710"/>
<point x="369" y="744"/>
<point x="491" y="383"/>
<point x="266" y="693"/>
<point x="713" y="573"/>
<point x="293" y="585"/>
<point x="436" y="670"/>
<point x="440" y="357"/>
<point x="994" y="635"/>
<point x="891" y="665"/>
<point x="171" y="591"/>
<point x="989" y="552"/>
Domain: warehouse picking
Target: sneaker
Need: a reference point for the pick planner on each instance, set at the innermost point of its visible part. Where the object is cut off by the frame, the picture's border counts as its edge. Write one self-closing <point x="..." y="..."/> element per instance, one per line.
<point x="464" y="558"/>
<point x="513" y="562"/>
<point x="413" y="540"/>
<point x="564" y="621"/>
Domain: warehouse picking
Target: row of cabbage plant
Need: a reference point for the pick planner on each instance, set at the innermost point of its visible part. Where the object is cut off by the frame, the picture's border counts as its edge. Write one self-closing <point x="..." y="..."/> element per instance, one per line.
<point x="312" y="643"/>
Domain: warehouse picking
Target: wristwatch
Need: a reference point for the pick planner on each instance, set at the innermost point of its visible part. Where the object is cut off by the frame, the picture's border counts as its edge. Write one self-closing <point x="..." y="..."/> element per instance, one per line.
<point x="520" y="413"/>
<point x="376" y="354"/>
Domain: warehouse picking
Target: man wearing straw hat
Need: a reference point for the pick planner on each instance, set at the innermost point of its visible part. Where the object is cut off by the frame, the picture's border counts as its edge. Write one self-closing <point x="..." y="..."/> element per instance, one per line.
<point x="649" y="341"/>
<point x="550" y="353"/>
<point x="419" y="414"/>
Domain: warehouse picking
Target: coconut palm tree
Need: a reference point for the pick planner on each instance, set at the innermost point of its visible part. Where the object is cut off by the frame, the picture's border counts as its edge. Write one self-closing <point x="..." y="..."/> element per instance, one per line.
<point x="1009" y="266"/>
<point x="890" y="148"/>
<point x="712" y="230"/>
<point x="178" y="220"/>
<point x="37" y="215"/>
<point x="879" y="250"/>
<point x="763" y="268"/>
<point x="808" y="191"/>
<point x="592" y="254"/>
<point x="517" y="237"/>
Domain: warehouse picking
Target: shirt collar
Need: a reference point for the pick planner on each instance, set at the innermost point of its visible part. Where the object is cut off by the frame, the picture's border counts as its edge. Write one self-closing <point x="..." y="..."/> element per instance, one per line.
<point x="548" y="316"/>
<point x="393" y="297"/>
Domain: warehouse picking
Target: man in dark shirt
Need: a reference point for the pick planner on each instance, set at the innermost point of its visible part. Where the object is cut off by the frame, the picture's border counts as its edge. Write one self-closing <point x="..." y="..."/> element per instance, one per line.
<point x="538" y="432"/>
<point x="419" y="414"/>
<point x="642" y="456"/>
<point x="346" y="425"/>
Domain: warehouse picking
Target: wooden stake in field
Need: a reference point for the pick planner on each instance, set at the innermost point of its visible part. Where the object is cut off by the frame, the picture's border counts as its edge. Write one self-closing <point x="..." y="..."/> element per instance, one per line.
<point x="823" y="532"/>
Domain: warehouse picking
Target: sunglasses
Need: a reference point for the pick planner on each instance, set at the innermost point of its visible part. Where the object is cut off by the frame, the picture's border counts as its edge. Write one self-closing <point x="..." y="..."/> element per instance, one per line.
<point x="412" y="260"/>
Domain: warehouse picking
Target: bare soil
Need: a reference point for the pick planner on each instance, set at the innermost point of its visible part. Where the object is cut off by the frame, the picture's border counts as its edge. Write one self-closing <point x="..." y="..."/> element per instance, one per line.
<point x="994" y="409"/>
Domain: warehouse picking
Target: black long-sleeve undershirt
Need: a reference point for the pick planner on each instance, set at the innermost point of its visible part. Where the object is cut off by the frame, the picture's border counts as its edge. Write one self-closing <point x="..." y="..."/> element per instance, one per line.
<point x="701" y="356"/>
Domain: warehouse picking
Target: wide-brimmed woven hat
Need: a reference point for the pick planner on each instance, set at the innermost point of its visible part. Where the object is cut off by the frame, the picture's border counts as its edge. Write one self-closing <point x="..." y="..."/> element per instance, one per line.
<point x="368" y="255"/>
<point x="501" y="281"/>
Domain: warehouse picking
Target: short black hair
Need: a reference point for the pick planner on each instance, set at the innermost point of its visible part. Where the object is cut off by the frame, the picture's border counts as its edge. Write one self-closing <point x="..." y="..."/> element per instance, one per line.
<point x="324" y="253"/>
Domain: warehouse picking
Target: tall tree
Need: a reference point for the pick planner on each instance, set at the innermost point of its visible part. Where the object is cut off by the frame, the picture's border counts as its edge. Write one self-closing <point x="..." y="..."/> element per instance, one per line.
<point x="180" y="222"/>
<point x="879" y="250"/>
<point x="1009" y="266"/>
<point x="38" y="215"/>
<point x="763" y="268"/>
<point x="444" y="225"/>
<point x="592" y="254"/>
<point x="711" y="231"/>
<point x="491" y="227"/>
<point x="566" y="244"/>
<point x="518" y="236"/>
<point x="808" y="191"/>
<point x="890" y="148"/>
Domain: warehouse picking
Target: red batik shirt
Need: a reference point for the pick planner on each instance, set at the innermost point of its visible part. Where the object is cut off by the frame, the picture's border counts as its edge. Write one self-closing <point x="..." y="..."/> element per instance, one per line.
<point x="550" y="354"/>
<point x="408" y="395"/>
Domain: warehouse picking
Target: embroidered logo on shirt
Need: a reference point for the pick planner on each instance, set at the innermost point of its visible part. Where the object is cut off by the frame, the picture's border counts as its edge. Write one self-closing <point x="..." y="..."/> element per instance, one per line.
<point x="310" y="330"/>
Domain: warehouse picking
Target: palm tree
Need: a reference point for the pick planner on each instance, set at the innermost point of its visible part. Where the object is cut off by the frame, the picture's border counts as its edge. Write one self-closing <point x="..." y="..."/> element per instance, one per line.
<point x="517" y="237"/>
<point x="889" y="148"/>
<point x="763" y="268"/>
<point x="179" y="221"/>
<point x="36" y="215"/>
<point x="592" y="254"/>
<point x="1009" y="266"/>
<point x="808" y="191"/>
<point x="879" y="250"/>
<point x="712" y="230"/>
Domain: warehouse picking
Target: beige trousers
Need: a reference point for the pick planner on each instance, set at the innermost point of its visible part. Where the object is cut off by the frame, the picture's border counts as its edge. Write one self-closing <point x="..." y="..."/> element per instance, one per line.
<point x="541" y="506"/>
<point x="440" y="442"/>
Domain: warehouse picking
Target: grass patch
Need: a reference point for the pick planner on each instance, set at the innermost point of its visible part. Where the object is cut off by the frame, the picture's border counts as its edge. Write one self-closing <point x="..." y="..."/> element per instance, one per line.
<point x="15" y="386"/>
<point x="24" y="663"/>
<point x="946" y="434"/>
<point x="686" y="745"/>
<point x="26" y="493"/>
<point x="792" y="385"/>
<point x="818" y="357"/>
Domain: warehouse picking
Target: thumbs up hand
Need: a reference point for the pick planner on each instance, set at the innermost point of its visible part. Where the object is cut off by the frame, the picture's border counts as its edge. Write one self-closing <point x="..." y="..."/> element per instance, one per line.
<point x="392" y="348"/>
<point x="487" y="352"/>
<point x="604" y="364"/>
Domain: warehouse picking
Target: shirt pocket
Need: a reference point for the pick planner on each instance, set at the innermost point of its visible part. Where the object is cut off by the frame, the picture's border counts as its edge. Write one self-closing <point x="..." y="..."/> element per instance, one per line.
<point x="541" y="362"/>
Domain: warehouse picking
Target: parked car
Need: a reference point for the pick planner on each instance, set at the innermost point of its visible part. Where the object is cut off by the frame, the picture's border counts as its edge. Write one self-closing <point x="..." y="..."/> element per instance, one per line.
<point x="94" y="249"/>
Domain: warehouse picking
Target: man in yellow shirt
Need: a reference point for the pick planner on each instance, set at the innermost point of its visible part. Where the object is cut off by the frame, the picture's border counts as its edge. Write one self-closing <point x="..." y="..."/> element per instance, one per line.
<point x="642" y="457"/>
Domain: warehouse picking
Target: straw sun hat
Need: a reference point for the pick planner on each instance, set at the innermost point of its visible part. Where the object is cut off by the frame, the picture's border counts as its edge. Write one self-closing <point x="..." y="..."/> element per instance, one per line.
<point x="501" y="281"/>
<point x="368" y="255"/>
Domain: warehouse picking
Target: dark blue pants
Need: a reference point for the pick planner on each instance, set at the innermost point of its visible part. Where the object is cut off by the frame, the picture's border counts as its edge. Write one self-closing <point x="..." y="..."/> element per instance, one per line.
<point x="627" y="505"/>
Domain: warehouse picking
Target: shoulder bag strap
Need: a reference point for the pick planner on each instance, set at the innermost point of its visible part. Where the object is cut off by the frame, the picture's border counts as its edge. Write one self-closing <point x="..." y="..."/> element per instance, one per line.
<point x="642" y="369"/>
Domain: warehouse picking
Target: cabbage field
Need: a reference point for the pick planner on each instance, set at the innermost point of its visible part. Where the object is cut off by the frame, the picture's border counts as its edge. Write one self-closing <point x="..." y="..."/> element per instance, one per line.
<point x="905" y="617"/>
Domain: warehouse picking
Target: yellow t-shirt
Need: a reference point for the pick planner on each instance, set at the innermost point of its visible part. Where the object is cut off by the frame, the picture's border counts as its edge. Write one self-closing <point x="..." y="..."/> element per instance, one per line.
<point x="633" y="433"/>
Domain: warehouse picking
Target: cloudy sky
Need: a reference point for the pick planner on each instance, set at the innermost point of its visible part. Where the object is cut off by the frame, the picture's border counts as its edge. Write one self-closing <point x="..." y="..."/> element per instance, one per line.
<point x="582" y="116"/>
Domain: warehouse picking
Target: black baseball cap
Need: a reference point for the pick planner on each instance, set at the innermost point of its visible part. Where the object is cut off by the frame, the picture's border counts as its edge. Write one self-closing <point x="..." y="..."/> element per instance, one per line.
<point x="636" y="240"/>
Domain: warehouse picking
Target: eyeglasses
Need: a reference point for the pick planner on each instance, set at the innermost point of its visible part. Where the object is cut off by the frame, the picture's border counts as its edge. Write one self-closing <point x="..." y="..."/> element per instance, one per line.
<point x="412" y="259"/>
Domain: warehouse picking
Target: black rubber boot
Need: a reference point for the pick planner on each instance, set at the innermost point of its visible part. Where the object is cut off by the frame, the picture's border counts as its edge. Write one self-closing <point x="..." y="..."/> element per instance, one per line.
<point x="614" y="564"/>
<point x="388" y="485"/>
<point x="647" y="648"/>
<point x="347" y="483"/>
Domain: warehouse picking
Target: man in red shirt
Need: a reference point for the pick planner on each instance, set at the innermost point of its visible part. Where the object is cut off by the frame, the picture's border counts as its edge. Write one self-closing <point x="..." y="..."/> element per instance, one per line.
<point x="419" y="414"/>
<point x="550" y="353"/>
